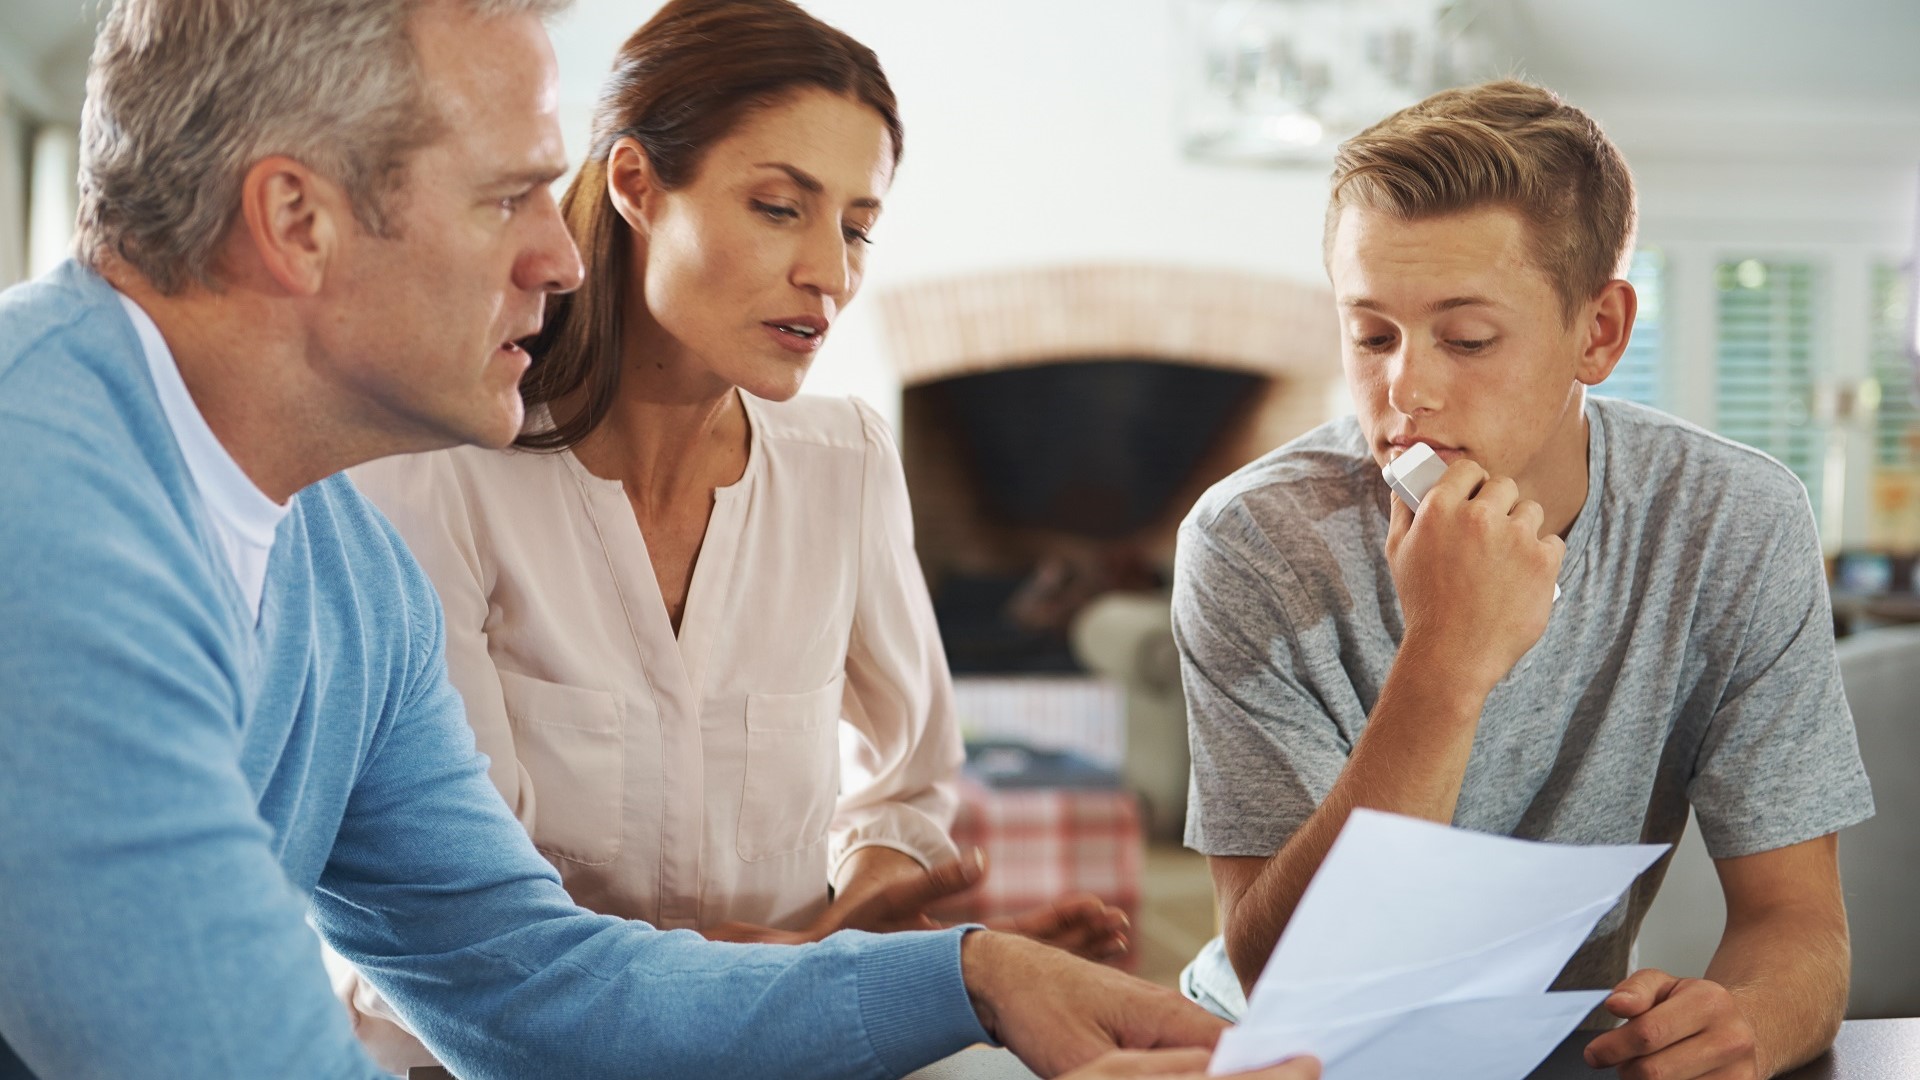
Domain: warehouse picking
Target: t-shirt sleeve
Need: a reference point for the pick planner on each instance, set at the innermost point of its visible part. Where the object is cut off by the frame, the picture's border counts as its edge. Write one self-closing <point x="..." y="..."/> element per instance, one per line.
<point x="1266" y="750"/>
<point x="1780" y="763"/>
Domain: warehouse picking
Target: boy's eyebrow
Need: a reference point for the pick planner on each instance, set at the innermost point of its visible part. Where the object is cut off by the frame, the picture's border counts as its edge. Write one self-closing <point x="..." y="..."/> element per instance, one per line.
<point x="811" y="185"/>
<point x="1435" y="308"/>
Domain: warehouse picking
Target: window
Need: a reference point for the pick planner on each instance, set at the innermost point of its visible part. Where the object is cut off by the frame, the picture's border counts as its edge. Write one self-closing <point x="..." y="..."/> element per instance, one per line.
<point x="1765" y="364"/>
<point x="1895" y="509"/>
<point x="1641" y="373"/>
<point x="1898" y="424"/>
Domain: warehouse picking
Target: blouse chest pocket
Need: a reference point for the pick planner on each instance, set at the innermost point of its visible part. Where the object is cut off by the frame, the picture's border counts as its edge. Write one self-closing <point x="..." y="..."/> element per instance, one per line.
<point x="573" y="745"/>
<point x="792" y="772"/>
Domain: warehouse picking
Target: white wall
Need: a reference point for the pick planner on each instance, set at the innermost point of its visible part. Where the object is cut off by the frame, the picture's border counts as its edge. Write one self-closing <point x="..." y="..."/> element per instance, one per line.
<point x="1038" y="133"/>
<point x="1043" y="132"/>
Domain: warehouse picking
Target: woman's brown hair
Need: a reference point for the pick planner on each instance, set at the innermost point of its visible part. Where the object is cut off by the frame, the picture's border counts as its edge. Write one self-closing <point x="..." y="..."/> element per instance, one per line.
<point x="680" y="84"/>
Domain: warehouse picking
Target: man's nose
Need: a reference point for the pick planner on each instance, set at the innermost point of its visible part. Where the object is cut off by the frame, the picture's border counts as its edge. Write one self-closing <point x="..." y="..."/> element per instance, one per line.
<point x="552" y="262"/>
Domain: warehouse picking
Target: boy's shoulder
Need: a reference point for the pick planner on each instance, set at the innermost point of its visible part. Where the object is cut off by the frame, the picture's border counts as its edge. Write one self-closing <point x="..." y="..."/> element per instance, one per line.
<point x="1309" y="478"/>
<point x="1658" y="464"/>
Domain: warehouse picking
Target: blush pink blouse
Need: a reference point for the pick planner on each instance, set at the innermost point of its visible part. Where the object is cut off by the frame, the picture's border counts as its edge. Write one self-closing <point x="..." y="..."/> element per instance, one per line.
<point x="803" y="712"/>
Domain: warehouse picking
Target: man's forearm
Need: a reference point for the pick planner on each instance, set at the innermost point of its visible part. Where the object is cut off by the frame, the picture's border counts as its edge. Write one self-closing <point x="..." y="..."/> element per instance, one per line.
<point x="1788" y="970"/>
<point x="1412" y="760"/>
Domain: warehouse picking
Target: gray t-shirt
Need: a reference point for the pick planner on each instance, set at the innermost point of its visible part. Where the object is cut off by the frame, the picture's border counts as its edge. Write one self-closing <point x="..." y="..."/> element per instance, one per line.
<point x="1690" y="660"/>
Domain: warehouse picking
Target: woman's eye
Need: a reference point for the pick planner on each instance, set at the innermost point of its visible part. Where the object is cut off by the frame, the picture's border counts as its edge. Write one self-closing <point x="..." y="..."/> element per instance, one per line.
<point x="1376" y="343"/>
<point x="1471" y="346"/>
<point x="853" y="234"/>
<point x="775" y="211"/>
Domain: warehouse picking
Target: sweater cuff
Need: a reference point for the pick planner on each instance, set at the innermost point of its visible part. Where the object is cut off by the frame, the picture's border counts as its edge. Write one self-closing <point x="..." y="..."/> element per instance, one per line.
<point x="913" y="999"/>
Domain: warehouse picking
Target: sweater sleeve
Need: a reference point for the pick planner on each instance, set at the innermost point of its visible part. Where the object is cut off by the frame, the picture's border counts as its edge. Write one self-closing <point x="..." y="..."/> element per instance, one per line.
<point x="900" y="789"/>
<point x="436" y="893"/>
<point x="147" y="927"/>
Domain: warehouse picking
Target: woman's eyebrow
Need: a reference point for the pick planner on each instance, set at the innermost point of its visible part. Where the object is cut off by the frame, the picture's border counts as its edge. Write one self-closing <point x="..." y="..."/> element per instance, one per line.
<point x="808" y="183"/>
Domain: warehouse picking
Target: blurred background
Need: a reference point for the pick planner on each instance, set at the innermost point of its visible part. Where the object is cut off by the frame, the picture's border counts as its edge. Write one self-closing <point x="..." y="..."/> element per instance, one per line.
<point x="1097" y="289"/>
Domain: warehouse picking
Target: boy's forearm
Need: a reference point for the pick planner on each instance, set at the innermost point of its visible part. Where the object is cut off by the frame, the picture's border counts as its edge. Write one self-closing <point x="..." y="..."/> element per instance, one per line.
<point x="1788" y="970"/>
<point x="1412" y="760"/>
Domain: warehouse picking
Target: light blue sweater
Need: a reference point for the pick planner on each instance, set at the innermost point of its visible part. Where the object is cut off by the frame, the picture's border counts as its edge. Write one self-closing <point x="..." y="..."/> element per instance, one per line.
<point x="179" y="790"/>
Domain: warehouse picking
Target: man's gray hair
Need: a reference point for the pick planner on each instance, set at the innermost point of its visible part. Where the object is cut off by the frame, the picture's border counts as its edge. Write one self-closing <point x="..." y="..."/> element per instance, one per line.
<point x="184" y="96"/>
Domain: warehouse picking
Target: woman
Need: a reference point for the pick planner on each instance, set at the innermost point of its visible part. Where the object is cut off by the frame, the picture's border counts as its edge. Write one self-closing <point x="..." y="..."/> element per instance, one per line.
<point x="663" y="602"/>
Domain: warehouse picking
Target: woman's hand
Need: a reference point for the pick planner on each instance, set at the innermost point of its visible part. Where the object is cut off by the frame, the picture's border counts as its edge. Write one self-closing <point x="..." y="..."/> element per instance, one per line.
<point x="883" y="891"/>
<point x="1081" y="923"/>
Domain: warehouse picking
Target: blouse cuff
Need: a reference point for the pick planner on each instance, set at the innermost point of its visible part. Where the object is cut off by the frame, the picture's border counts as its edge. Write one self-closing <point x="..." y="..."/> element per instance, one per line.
<point x="896" y="826"/>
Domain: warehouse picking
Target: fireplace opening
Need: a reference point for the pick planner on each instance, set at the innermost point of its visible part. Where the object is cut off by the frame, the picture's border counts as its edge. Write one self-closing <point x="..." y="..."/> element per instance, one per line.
<point x="1038" y="488"/>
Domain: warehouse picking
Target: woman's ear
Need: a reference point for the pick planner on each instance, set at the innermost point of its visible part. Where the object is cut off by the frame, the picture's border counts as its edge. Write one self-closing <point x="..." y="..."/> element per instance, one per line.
<point x="633" y="185"/>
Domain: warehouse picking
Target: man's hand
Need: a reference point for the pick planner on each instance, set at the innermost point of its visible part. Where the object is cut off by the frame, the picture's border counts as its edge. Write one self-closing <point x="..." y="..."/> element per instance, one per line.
<point x="1183" y="1065"/>
<point x="1057" y="1012"/>
<point x="1676" y="1029"/>
<point x="1475" y="577"/>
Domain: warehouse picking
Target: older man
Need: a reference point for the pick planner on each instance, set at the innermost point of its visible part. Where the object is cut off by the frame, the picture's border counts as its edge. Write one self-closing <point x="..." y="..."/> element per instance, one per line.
<point x="310" y="234"/>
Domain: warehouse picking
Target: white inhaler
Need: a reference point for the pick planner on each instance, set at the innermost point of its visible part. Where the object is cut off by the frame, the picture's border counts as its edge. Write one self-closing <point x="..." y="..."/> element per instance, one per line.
<point x="1413" y="474"/>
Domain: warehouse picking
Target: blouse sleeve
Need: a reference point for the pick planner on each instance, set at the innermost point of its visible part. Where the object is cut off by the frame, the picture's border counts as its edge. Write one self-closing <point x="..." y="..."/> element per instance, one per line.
<point x="901" y="772"/>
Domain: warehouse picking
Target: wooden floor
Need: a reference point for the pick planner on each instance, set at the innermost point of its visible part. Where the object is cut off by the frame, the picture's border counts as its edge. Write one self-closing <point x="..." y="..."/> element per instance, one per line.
<point x="1176" y="916"/>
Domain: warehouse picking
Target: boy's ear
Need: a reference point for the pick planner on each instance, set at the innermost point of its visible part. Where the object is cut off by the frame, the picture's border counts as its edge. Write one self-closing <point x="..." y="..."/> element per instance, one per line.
<point x="1606" y="327"/>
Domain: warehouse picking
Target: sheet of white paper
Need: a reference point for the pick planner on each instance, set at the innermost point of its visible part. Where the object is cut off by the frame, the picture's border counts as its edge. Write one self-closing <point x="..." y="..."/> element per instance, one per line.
<point x="1525" y="963"/>
<point x="1396" y="892"/>
<point x="1415" y="936"/>
<point x="1500" y="1038"/>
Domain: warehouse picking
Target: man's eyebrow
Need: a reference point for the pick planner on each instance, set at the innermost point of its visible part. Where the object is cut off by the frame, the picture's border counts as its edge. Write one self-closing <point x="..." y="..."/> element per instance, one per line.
<point x="530" y="177"/>
<point x="809" y="184"/>
<point x="1369" y="304"/>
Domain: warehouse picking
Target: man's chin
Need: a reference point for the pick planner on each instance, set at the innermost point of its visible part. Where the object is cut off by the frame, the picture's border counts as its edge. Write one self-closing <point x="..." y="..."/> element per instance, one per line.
<point x="499" y="431"/>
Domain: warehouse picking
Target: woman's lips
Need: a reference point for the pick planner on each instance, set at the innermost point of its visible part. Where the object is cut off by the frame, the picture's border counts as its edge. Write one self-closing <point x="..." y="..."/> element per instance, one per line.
<point x="793" y="342"/>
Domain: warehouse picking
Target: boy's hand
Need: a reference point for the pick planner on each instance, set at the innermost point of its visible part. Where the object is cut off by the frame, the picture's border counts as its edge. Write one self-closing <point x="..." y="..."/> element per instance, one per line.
<point x="1474" y="576"/>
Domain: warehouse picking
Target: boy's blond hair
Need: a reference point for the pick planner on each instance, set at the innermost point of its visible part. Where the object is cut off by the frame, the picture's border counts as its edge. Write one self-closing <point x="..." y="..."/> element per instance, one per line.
<point x="1502" y="144"/>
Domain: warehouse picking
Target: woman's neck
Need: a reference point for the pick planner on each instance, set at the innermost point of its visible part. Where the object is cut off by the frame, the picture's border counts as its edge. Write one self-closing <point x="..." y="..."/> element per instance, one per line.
<point x="674" y="432"/>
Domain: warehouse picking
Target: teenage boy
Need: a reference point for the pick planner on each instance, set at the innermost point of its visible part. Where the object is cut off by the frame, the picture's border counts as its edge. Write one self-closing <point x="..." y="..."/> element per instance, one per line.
<point x="309" y="234"/>
<point x="1340" y="651"/>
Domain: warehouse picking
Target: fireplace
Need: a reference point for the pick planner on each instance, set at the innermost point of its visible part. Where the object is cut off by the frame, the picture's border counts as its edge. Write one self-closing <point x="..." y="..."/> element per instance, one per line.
<point x="1057" y="425"/>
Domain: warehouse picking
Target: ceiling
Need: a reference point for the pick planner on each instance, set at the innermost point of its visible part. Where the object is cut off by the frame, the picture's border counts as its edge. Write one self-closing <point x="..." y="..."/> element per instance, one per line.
<point x="1757" y="50"/>
<point x="1757" y="53"/>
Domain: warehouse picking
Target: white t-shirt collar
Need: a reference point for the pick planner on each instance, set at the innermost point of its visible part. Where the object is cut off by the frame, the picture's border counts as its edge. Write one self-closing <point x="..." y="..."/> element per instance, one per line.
<point x="244" y="518"/>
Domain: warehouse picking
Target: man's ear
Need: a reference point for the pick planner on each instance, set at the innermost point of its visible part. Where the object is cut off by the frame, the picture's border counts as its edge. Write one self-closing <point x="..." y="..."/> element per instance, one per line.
<point x="292" y="218"/>
<point x="1606" y="326"/>
<point x="633" y="185"/>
